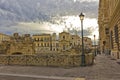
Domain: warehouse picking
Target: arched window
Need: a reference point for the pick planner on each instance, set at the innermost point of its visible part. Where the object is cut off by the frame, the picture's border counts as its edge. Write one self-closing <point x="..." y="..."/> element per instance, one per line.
<point x="63" y="37"/>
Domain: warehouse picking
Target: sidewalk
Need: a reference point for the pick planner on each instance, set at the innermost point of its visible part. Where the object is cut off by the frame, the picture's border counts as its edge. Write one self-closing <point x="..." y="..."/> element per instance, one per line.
<point x="118" y="61"/>
<point x="107" y="68"/>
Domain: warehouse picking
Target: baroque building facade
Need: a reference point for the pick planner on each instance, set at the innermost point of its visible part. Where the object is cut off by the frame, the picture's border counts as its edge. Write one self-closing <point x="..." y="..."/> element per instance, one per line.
<point x="42" y="43"/>
<point x="45" y="43"/>
<point x="109" y="27"/>
<point x="64" y="41"/>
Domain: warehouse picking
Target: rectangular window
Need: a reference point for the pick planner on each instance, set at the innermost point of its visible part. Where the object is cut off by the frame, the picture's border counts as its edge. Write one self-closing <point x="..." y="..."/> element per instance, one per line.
<point x="116" y="34"/>
<point x="48" y="44"/>
<point x="47" y="39"/>
<point x="45" y="44"/>
<point x="107" y="30"/>
<point x="38" y="44"/>
<point x="41" y="44"/>
<point x="111" y="39"/>
<point x="41" y="39"/>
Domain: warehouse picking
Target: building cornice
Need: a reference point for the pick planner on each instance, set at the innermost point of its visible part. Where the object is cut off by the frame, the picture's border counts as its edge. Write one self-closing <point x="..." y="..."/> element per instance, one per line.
<point x="116" y="15"/>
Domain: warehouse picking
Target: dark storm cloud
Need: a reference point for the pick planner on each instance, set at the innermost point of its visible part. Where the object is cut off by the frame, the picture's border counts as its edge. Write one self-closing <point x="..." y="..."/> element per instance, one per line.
<point x="13" y="11"/>
<point x="69" y="7"/>
<point x="28" y="10"/>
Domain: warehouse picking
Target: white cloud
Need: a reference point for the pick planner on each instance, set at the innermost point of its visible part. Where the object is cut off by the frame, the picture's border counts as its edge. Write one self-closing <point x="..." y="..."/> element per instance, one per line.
<point x="75" y="0"/>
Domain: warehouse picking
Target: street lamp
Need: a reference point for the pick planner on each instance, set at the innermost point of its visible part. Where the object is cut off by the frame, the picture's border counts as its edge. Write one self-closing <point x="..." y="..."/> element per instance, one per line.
<point x="83" y="55"/>
<point x="94" y="45"/>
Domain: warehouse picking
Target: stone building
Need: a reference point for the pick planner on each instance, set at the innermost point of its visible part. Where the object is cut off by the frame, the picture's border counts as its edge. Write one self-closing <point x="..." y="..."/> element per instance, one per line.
<point x="75" y="40"/>
<point x="42" y="43"/>
<point x="87" y="43"/>
<point x="4" y="46"/>
<point x="55" y="42"/>
<point x="4" y="42"/>
<point x="45" y="43"/>
<point x="64" y="41"/>
<point x="4" y="37"/>
<point x="73" y="43"/>
<point x="20" y="45"/>
<point x="109" y="27"/>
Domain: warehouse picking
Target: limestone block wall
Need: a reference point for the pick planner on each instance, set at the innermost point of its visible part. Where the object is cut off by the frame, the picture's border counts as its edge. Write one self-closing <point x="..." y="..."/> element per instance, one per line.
<point x="45" y="60"/>
<point x="115" y="54"/>
<point x="4" y="59"/>
<point x="16" y="60"/>
<point x="89" y="58"/>
<point x="36" y="60"/>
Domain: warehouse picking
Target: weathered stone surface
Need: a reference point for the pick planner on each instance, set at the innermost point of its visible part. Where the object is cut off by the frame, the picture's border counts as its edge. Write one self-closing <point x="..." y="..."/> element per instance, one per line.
<point x="21" y="45"/>
<point x="45" y="60"/>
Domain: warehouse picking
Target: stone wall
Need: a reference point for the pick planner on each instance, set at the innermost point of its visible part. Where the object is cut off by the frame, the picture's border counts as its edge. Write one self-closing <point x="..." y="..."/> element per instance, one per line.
<point x="115" y="54"/>
<point x="45" y="60"/>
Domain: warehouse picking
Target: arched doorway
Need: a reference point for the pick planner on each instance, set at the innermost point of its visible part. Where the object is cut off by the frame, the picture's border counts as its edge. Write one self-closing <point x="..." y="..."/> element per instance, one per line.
<point x="17" y="53"/>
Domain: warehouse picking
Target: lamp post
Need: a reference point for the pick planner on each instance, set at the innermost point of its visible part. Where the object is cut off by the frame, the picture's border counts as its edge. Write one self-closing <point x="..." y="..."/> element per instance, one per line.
<point x="83" y="55"/>
<point x="94" y="45"/>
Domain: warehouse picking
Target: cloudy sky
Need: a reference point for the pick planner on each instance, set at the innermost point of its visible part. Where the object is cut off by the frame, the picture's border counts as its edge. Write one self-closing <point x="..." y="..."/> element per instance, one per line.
<point x="48" y="16"/>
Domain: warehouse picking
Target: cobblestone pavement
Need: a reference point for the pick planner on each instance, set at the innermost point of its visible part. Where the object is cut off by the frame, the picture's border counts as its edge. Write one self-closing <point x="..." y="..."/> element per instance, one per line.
<point x="105" y="68"/>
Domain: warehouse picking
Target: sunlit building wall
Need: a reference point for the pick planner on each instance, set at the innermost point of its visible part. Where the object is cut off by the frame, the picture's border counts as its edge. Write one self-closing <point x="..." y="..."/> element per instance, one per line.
<point x="20" y="45"/>
<point x="64" y="41"/>
<point x="87" y="43"/>
<point x="109" y="27"/>
<point x="42" y="42"/>
<point x="55" y="42"/>
<point x="4" y="37"/>
<point x="75" y="41"/>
